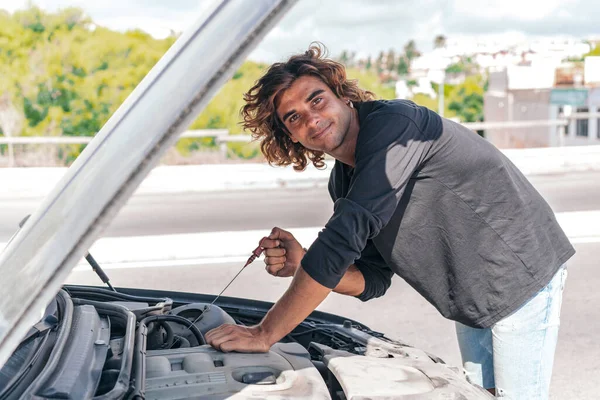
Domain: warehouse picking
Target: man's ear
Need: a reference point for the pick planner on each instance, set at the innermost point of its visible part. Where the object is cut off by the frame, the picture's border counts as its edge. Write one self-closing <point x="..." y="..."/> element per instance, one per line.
<point x="282" y="127"/>
<point x="286" y="132"/>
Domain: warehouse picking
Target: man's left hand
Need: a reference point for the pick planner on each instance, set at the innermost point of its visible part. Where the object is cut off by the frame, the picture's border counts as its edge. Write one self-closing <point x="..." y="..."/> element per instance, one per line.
<point x="298" y="301"/>
<point x="244" y="339"/>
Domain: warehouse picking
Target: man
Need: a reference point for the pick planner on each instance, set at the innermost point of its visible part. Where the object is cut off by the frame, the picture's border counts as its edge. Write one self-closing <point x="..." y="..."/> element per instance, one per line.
<point x="419" y="196"/>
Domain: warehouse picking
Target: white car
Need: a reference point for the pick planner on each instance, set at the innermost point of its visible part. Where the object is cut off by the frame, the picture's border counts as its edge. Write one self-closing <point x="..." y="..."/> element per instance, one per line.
<point x="75" y="342"/>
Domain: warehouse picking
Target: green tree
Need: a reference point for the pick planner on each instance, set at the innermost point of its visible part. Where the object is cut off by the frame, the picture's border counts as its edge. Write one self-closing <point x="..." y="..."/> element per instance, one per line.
<point x="370" y="81"/>
<point x="466" y="99"/>
<point x="455" y="68"/>
<point x="594" y="52"/>
<point x="433" y="104"/>
<point x="464" y="65"/>
<point x="62" y="75"/>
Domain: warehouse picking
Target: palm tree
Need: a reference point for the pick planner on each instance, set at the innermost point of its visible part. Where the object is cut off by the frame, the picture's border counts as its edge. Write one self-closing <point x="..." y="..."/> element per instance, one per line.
<point x="439" y="41"/>
<point x="403" y="67"/>
<point x="410" y="50"/>
<point x="391" y="60"/>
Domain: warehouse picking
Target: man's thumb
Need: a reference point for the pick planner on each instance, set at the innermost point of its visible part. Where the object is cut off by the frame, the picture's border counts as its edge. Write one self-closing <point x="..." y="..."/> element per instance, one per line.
<point x="278" y="233"/>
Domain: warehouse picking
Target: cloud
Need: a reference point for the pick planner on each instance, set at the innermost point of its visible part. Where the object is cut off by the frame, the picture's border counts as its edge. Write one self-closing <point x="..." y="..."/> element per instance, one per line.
<point x="576" y="18"/>
<point x="370" y="27"/>
<point x="363" y="26"/>
<point x="510" y="9"/>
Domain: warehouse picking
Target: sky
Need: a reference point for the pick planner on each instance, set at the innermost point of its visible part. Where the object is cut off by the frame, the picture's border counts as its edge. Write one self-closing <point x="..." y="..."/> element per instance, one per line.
<point x="363" y="26"/>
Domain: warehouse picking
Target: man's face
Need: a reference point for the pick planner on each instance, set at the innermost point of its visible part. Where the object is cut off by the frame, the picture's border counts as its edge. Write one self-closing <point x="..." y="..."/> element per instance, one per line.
<point x="314" y="115"/>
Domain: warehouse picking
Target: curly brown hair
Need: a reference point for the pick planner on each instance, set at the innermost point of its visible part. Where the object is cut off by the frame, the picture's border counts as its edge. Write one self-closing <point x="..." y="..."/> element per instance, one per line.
<point x="259" y="112"/>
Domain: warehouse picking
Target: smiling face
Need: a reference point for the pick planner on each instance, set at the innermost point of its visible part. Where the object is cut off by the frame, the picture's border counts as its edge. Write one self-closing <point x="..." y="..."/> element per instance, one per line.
<point x="315" y="117"/>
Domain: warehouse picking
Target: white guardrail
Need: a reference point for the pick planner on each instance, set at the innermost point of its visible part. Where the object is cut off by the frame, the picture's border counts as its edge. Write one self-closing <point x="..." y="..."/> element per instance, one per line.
<point x="222" y="136"/>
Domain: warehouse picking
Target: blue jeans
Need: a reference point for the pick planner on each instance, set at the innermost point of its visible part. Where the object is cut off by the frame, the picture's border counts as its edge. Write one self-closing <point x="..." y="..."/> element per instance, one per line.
<point x="516" y="354"/>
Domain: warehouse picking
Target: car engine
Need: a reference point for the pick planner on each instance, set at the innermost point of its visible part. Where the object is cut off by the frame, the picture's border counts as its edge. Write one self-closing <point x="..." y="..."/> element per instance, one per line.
<point x="94" y="343"/>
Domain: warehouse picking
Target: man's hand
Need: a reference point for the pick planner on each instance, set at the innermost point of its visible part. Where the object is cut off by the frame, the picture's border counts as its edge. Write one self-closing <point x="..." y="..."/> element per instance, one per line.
<point x="245" y="339"/>
<point x="283" y="253"/>
<point x="301" y="298"/>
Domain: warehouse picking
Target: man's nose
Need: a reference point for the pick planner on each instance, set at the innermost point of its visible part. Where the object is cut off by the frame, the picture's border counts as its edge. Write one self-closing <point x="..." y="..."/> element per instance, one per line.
<point x="314" y="120"/>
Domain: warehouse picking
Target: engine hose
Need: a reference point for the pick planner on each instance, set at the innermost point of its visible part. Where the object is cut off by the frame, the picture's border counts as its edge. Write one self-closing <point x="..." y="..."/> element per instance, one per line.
<point x="184" y="343"/>
<point x="176" y="318"/>
<point x="155" y="340"/>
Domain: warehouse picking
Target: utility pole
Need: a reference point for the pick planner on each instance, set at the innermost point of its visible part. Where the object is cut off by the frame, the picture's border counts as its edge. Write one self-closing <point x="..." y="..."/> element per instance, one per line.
<point x="441" y="95"/>
<point x="11" y="123"/>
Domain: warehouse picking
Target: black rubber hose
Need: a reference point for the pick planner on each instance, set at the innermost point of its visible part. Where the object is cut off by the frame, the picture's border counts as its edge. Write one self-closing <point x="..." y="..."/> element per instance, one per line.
<point x="184" y="343"/>
<point x="154" y="341"/>
<point x="176" y="318"/>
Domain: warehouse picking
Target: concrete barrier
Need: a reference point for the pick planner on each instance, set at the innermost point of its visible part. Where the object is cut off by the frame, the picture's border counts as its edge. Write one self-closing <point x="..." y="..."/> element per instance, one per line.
<point x="582" y="227"/>
<point x="235" y="246"/>
<point x="37" y="182"/>
<point x="554" y="160"/>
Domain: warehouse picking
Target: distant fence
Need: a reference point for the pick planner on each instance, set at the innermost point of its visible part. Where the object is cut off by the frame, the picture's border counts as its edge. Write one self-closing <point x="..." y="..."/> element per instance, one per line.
<point x="222" y="136"/>
<point x="561" y="124"/>
<point x="564" y="121"/>
<point x="479" y="126"/>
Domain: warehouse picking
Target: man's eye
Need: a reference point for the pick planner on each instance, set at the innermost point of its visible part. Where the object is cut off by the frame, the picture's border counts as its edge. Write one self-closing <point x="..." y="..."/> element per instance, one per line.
<point x="293" y="118"/>
<point x="317" y="100"/>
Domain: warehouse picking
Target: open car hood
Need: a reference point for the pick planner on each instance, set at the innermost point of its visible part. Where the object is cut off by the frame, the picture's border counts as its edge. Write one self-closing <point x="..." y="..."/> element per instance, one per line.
<point x="38" y="259"/>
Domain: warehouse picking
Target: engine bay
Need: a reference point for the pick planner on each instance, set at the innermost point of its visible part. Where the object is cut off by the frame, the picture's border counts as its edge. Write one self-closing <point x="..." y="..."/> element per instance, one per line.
<point x="95" y="343"/>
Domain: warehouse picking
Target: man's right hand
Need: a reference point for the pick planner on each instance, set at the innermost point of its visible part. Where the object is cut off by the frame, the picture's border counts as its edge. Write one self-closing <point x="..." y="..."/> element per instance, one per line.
<point x="282" y="253"/>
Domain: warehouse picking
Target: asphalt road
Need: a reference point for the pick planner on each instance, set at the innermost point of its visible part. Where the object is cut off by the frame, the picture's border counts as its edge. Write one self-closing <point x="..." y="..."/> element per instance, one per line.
<point x="257" y="209"/>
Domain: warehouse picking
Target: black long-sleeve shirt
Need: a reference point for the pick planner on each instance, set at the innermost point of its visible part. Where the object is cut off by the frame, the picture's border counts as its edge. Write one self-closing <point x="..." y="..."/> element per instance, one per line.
<point x="445" y="210"/>
<point x="377" y="275"/>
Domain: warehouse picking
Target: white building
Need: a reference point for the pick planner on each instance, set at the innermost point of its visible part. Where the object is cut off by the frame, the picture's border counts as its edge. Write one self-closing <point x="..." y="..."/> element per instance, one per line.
<point x="497" y="53"/>
<point x="542" y="91"/>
